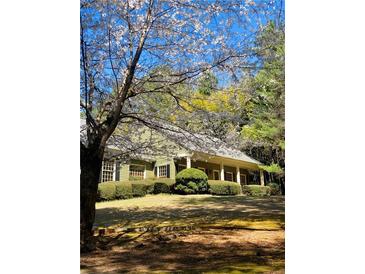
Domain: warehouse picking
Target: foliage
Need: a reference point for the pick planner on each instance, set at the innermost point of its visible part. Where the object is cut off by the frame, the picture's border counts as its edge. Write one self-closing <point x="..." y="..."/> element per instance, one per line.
<point x="207" y="83"/>
<point x="183" y="189"/>
<point x="217" y="187"/>
<point x="192" y="174"/>
<point x="274" y="189"/>
<point x="264" y="134"/>
<point x="151" y="182"/>
<point x="167" y="181"/>
<point x="193" y="186"/>
<point x="191" y="181"/>
<point x="160" y="187"/>
<point x="106" y="191"/>
<point x="139" y="190"/>
<point x="135" y="178"/>
<point x="273" y="168"/>
<point x="256" y="190"/>
<point x="123" y="190"/>
<point x="128" y="189"/>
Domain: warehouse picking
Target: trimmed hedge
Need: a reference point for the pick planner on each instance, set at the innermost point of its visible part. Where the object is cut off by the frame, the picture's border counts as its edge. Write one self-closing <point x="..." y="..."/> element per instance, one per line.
<point x="256" y="190"/>
<point x="167" y="181"/>
<point x="106" y="191"/>
<point x="160" y="187"/>
<point x="128" y="189"/>
<point x="217" y="187"/>
<point x="139" y="190"/>
<point x="191" y="181"/>
<point x="123" y="190"/>
<point x="274" y="189"/>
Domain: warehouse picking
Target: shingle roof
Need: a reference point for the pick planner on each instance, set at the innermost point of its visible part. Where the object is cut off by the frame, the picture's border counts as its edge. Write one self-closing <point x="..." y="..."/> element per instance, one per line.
<point x="210" y="145"/>
<point x="194" y="142"/>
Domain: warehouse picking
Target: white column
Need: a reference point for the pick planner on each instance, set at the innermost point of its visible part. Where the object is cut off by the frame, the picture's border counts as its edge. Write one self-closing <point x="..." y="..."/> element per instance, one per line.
<point x="262" y="178"/>
<point x="238" y="175"/>
<point x="158" y="172"/>
<point x="144" y="173"/>
<point x="222" y="172"/>
<point x="188" y="162"/>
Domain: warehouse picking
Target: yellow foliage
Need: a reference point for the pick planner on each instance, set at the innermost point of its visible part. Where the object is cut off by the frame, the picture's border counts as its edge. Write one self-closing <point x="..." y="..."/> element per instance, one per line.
<point x="222" y="100"/>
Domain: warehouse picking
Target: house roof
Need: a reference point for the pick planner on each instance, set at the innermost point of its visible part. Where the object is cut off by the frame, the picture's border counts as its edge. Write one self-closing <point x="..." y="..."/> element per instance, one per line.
<point x="210" y="145"/>
<point x="193" y="143"/>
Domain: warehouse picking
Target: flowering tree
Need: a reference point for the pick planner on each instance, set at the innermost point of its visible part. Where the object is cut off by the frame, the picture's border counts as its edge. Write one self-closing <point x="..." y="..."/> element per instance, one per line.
<point x="123" y="42"/>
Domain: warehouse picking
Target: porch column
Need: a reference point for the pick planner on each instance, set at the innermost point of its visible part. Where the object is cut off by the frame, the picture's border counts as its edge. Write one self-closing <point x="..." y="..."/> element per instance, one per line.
<point x="222" y="172"/>
<point x="188" y="162"/>
<point x="238" y="175"/>
<point x="262" y="178"/>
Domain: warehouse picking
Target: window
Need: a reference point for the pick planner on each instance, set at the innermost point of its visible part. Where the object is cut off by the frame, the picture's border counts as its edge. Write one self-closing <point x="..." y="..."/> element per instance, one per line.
<point x="107" y="171"/>
<point x="228" y="176"/>
<point x="162" y="171"/>
<point x="215" y="174"/>
<point x="136" y="172"/>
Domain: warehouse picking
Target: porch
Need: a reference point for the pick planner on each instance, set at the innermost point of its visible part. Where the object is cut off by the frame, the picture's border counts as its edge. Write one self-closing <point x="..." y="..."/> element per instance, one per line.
<point x="220" y="168"/>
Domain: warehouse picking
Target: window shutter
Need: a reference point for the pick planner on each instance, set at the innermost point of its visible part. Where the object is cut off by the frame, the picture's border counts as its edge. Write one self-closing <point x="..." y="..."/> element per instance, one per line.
<point x="117" y="170"/>
<point x="168" y="171"/>
<point x="155" y="171"/>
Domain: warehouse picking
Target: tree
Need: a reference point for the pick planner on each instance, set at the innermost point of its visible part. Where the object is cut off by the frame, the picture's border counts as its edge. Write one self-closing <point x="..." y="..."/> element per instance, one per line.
<point x="265" y="133"/>
<point x="207" y="83"/>
<point x="121" y="45"/>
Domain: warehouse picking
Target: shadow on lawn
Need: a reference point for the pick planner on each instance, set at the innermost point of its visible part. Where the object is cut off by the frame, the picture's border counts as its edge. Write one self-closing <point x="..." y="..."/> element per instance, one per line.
<point x="214" y="246"/>
<point x="197" y="254"/>
<point x="192" y="211"/>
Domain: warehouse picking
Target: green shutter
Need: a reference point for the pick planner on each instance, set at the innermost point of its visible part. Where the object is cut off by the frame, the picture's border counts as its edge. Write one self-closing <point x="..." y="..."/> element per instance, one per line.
<point x="168" y="171"/>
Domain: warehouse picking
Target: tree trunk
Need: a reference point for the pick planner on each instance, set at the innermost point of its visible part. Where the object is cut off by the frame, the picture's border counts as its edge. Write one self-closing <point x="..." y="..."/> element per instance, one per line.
<point x="282" y="186"/>
<point x="91" y="160"/>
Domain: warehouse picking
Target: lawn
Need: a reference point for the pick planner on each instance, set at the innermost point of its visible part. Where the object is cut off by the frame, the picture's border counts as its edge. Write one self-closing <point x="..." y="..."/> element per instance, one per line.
<point x="195" y="233"/>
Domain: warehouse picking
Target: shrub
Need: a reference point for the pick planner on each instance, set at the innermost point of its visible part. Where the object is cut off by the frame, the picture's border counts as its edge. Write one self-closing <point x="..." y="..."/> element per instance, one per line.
<point x="193" y="186"/>
<point x="181" y="189"/>
<point x="223" y="187"/>
<point x="274" y="189"/>
<point x="190" y="181"/>
<point x="256" y="190"/>
<point x="135" y="178"/>
<point x="160" y="187"/>
<point x="167" y="181"/>
<point x="106" y="191"/>
<point x="123" y="190"/>
<point x="139" y="190"/>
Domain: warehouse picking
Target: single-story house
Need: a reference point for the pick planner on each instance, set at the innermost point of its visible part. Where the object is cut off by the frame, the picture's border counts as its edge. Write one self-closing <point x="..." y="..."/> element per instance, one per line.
<point x="218" y="160"/>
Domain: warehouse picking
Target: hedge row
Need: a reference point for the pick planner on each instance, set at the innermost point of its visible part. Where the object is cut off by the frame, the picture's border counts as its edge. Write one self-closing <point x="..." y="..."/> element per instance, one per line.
<point x="274" y="189"/>
<point x="217" y="187"/>
<point x="256" y="190"/>
<point x="125" y="190"/>
<point x="106" y="191"/>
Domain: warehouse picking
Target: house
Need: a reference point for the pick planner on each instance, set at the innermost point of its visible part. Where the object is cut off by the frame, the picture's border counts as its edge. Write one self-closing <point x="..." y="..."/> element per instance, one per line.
<point x="218" y="160"/>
